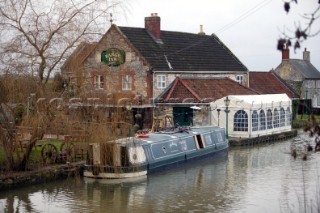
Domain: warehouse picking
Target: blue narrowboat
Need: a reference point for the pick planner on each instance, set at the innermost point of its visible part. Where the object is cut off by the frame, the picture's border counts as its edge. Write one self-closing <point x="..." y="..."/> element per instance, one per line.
<point x="148" y="153"/>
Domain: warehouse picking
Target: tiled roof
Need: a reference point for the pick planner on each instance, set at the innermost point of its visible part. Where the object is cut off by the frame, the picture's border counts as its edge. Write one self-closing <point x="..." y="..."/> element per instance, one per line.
<point x="306" y="68"/>
<point x="268" y="83"/>
<point x="184" y="51"/>
<point x="201" y="90"/>
<point x="78" y="55"/>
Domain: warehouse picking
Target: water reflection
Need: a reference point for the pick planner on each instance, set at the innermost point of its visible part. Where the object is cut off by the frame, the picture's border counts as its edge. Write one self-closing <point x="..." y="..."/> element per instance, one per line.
<point x="255" y="179"/>
<point x="165" y="192"/>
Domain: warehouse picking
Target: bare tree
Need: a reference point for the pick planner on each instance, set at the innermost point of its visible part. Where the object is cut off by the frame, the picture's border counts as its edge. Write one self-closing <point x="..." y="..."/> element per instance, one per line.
<point x="300" y="33"/>
<point x="36" y="36"/>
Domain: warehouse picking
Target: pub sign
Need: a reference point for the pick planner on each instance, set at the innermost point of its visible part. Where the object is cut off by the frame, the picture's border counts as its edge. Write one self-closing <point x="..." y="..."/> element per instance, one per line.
<point x="113" y="57"/>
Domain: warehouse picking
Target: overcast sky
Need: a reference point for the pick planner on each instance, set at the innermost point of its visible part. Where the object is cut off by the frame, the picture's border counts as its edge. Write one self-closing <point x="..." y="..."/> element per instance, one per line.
<point x="249" y="28"/>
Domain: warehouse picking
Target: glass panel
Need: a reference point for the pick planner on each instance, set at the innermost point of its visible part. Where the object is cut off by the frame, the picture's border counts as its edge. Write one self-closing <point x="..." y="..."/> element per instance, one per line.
<point x="262" y="120"/>
<point x="288" y="117"/>
<point x="282" y="117"/>
<point x="255" y="121"/>
<point x="126" y="82"/>
<point x="269" y="119"/>
<point x="161" y="81"/>
<point x="276" y="118"/>
<point x="240" y="122"/>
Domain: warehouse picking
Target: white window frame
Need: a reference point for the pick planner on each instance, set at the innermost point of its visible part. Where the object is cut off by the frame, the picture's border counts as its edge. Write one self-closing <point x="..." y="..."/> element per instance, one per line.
<point x="98" y="81"/>
<point x="127" y="82"/>
<point x="240" y="121"/>
<point x="161" y="81"/>
<point x="255" y="121"/>
<point x="239" y="79"/>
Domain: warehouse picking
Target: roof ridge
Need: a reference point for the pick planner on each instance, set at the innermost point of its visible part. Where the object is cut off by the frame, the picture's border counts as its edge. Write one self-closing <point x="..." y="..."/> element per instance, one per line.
<point x="190" y="89"/>
<point x="185" y="84"/>
<point x="258" y="93"/>
<point x="172" y="89"/>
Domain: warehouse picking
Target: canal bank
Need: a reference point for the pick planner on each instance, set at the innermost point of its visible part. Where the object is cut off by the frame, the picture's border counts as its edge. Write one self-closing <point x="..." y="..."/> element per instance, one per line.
<point x="260" y="178"/>
<point x="55" y="172"/>
<point x="12" y="180"/>
<point x="263" y="139"/>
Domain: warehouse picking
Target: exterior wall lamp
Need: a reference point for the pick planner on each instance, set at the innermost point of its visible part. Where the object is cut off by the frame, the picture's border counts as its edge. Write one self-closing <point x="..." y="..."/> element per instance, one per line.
<point x="226" y="103"/>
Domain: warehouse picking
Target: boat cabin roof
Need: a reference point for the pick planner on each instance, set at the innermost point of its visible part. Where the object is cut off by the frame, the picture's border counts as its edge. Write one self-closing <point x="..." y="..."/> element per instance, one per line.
<point x="168" y="136"/>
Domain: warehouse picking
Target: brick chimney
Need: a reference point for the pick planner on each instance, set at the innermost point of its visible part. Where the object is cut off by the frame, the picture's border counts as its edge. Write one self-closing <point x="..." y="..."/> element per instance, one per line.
<point x="285" y="53"/>
<point x="306" y="55"/>
<point x="152" y="24"/>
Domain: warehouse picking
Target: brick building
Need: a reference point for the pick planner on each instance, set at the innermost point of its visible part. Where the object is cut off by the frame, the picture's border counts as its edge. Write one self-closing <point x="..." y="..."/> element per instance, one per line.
<point x="139" y="63"/>
<point x="303" y="78"/>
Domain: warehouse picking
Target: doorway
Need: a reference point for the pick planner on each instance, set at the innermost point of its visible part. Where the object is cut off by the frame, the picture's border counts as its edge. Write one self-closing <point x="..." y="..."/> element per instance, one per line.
<point x="183" y="116"/>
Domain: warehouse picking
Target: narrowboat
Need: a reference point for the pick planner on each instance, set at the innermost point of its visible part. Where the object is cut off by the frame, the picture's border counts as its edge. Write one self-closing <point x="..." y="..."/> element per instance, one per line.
<point x="148" y="153"/>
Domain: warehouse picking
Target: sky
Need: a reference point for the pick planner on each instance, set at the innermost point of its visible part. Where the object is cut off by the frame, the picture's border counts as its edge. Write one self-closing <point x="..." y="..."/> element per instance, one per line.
<point x="249" y="28"/>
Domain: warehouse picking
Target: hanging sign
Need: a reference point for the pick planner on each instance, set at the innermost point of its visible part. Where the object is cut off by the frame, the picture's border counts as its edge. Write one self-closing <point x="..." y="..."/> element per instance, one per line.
<point x="113" y="57"/>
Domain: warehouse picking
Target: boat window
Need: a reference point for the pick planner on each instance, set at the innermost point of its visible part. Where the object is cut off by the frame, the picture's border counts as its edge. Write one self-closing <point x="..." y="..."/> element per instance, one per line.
<point x="208" y="139"/>
<point x="183" y="144"/>
<point x="199" y="141"/>
<point x="219" y="136"/>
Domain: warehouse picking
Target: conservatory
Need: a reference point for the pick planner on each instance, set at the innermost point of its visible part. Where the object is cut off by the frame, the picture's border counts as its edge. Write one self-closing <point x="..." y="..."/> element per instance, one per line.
<point x="249" y="116"/>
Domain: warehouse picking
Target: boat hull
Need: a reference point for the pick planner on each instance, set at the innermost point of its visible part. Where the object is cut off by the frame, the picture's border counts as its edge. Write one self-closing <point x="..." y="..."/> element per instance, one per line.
<point x="105" y="175"/>
<point x="160" y="152"/>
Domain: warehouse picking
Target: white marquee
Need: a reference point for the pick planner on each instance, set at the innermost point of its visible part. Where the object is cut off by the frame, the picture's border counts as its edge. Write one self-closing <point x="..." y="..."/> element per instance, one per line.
<point x="253" y="115"/>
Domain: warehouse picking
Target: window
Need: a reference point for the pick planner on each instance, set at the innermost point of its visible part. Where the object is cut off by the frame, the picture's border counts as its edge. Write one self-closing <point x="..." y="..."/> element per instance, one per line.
<point x="276" y="119"/>
<point x="255" y="121"/>
<point x="208" y="139"/>
<point x="240" y="122"/>
<point x="161" y="81"/>
<point x="262" y="116"/>
<point x="126" y="82"/>
<point x="239" y="79"/>
<point x="269" y="119"/>
<point x="288" y="116"/>
<point x="98" y="81"/>
<point x="282" y="117"/>
<point x="317" y="100"/>
<point x="199" y="143"/>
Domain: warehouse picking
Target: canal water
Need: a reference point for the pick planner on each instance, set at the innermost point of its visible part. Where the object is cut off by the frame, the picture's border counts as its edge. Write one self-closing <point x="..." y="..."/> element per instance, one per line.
<point x="262" y="178"/>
